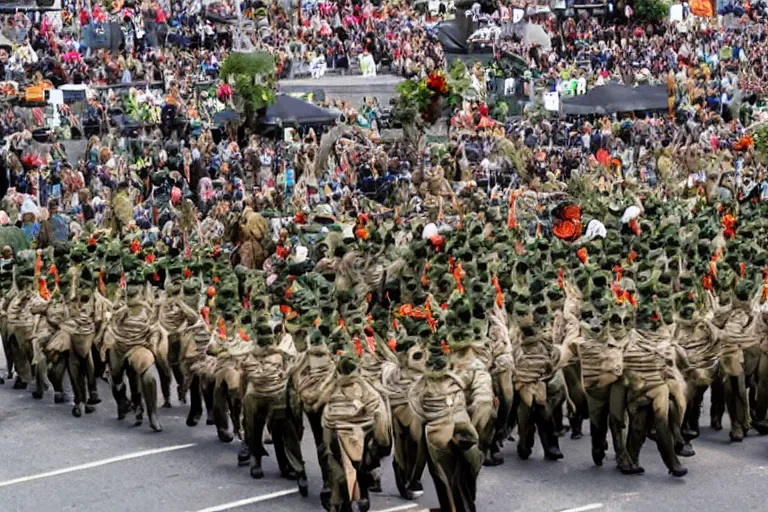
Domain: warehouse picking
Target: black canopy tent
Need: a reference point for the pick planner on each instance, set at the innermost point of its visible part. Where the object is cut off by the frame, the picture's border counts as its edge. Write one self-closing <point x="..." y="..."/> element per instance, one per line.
<point x="290" y="111"/>
<point x="615" y="98"/>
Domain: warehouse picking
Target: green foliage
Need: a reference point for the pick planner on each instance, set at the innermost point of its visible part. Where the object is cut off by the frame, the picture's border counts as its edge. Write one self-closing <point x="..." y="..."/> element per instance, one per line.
<point x="253" y="78"/>
<point x="761" y="142"/>
<point x="458" y="83"/>
<point x="651" y="10"/>
<point x="414" y="98"/>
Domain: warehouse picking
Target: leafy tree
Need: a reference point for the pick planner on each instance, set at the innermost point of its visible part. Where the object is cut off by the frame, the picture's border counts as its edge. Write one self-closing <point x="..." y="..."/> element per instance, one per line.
<point x="252" y="77"/>
<point x="651" y="10"/>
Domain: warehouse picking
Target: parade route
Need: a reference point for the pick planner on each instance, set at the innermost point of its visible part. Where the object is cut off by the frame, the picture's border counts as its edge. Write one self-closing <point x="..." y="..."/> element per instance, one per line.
<point x="54" y="462"/>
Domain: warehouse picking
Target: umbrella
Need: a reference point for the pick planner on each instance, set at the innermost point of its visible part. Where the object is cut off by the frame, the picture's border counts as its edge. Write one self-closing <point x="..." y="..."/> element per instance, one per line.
<point x="535" y="34"/>
<point x="225" y="117"/>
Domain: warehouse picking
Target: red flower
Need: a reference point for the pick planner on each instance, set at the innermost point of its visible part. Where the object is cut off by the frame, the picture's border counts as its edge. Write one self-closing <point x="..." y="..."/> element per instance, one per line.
<point x="572" y="212"/>
<point x="358" y="347"/>
<point x="437" y="241"/>
<point x="706" y="282"/>
<point x="445" y="348"/>
<point x="211" y="292"/>
<point x="187" y="273"/>
<point x="567" y="230"/>
<point x="436" y="83"/>
<point x="392" y="344"/>
<point x="150" y="258"/>
<point x="282" y="252"/>
<point x="635" y="226"/>
<point x="632" y="257"/>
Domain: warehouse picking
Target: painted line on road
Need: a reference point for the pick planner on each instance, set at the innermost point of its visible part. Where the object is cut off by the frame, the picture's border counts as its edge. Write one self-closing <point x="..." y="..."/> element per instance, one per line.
<point x="401" y="507"/>
<point x="95" y="464"/>
<point x="248" y="501"/>
<point x="585" y="508"/>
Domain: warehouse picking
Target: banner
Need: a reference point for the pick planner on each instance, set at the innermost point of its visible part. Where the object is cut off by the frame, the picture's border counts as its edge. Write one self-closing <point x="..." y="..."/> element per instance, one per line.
<point x="551" y="101"/>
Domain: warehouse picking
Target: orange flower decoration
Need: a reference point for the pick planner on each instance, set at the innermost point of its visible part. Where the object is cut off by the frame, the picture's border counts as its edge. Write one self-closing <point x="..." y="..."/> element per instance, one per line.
<point x="706" y="282"/>
<point x="358" y="347"/>
<point x="511" y="223"/>
<point x="135" y="246"/>
<point x="38" y="263"/>
<point x="445" y="347"/>
<point x="211" y="292"/>
<point x="632" y="257"/>
<point x="392" y="344"/>
<point x="729" y="225"/>
<point x="582" y="255"/>
<point x="42" y="287"/>
<point x="499" y="294"/>
<point x="187" y="273"/>
<point x="52" y="270"/>
<point x="742" y="270"/>
<point x="458" y="275"/>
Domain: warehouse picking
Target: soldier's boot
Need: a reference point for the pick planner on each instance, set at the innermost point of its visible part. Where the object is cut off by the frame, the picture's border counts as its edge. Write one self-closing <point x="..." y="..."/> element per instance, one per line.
<point x="717" y="406"/>
<point x="195" y="402"/>
<point x="181" y="382"/>
<point x="629" y="463"/>
<point x="165" y="386"/>
<point x="244" y="455"/>
<point x="598" y="432"/>
<point x="666" y="445"/>
<point x="547" y="433"/>
<point x="256" y="471"/>
<point x="493" y="456"/>
<point x="325" y="497"/>
<point x="207" y="392"/>
<point x="400" y="482"/>
<point x="149" y="390"/>
<point x="123" y="405"/>
<point x="56" y="376"/>
<point x="303" y="484"/>
<point x="525" y="430"/>
<point x="221" y="415"/>
<point x="41" y="386"/>
<point x="736" y="408"/>
<point x="77" y="410"/>
<point x="93" y="394"/>
<point x="19" y="384"/>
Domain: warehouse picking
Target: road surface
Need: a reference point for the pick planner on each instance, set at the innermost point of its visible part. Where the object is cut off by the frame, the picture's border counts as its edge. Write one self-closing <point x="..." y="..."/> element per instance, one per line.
<point x="53" y="462"/>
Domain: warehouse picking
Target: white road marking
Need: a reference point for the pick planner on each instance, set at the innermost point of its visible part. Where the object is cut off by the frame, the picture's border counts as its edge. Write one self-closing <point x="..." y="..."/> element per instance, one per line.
<point x="401" y="507"/>
<point x="95" y="464"/>
<point x="248" y="501"/>
<point x="591" y="506"/>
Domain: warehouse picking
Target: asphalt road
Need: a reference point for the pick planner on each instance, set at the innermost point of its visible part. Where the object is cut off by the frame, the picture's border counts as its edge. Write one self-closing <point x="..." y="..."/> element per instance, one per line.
<point x="51" y="461"/>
